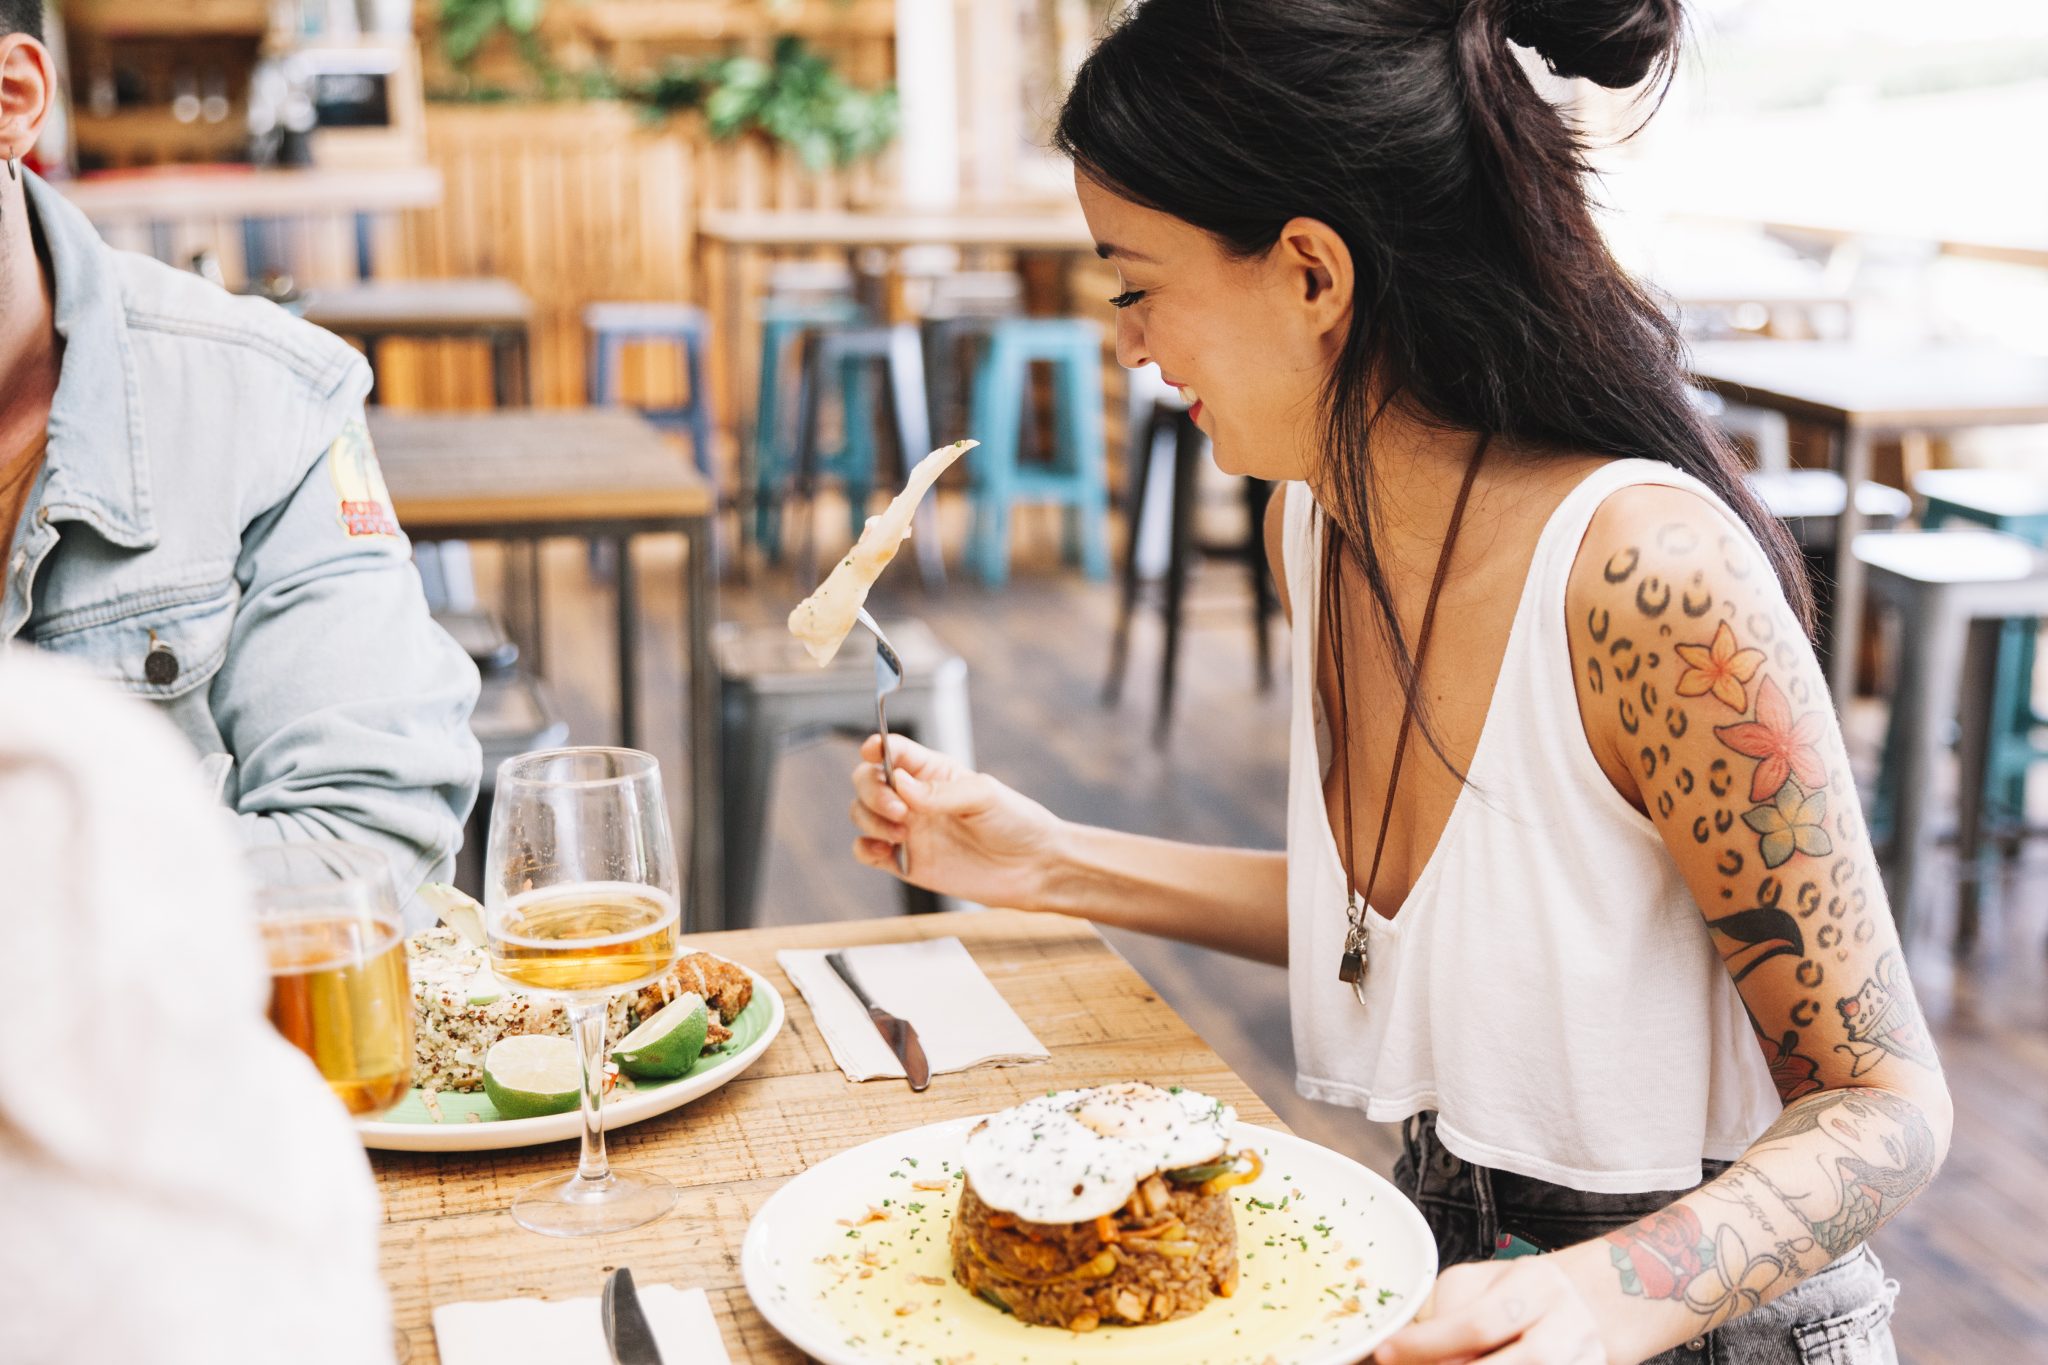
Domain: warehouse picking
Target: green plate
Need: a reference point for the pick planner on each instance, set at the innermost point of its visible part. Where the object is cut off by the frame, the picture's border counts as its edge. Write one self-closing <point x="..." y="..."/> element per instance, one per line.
<point x="470" y="1122"/>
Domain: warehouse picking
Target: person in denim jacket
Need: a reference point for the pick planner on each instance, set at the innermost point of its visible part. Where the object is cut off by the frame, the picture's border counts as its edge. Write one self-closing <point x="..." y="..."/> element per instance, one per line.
<point x="190" y="506"/>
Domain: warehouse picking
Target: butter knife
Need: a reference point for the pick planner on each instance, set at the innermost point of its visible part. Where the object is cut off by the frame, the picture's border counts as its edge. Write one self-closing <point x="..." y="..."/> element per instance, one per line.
<point x="897" y="1033"/>
<point x="625" y="1324"/>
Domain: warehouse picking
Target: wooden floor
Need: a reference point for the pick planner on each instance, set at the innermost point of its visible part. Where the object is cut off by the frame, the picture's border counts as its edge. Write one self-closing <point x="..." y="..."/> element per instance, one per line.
<point x="1972" y="1254"/>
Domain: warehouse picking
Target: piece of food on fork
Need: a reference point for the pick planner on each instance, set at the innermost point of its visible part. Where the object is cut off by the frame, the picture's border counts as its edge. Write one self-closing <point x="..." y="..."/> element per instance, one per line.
<point x="821" y="621"/>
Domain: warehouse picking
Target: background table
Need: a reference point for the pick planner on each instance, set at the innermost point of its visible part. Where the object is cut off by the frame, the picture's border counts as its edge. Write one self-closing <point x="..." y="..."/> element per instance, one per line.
<point x="137" y="209"/>
<point x="1860" y="394"/>
<point x="447" y="1238"/>
<point x="493" y="311"/>
<point x="593" y="473"/>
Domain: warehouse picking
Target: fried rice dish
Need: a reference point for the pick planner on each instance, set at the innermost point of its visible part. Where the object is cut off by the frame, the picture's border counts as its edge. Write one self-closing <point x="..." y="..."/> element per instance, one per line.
<point x="1147" y="1247"/>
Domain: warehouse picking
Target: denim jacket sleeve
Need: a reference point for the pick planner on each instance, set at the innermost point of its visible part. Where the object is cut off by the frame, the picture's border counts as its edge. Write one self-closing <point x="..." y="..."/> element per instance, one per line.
<point x="346" y="705"/>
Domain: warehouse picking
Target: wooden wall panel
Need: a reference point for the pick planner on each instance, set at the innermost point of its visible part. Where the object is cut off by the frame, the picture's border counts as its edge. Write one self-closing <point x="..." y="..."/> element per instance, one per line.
<point x="573" y="203"/>
<point x="577" y="203"/>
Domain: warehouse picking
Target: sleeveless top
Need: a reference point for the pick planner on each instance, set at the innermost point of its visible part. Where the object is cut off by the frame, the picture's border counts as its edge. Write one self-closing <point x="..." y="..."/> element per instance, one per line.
<point x="1549" y="987"/>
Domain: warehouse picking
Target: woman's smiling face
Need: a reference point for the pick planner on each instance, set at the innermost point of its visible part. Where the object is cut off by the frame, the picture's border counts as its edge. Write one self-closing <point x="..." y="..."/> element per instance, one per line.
<point x="1249" y="342"/>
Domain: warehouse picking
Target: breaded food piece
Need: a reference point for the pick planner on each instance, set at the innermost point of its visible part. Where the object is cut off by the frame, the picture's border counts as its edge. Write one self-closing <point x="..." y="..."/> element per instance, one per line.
<point x="725" y="986"/>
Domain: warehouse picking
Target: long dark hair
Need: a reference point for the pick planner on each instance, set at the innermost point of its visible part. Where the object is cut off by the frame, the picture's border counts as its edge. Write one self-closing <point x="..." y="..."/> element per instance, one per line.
<point x="1486" y="300"/>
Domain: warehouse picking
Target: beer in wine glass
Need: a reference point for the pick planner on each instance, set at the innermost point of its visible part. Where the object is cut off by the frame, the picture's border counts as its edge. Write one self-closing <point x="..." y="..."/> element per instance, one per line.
<point x="339" y="990"/>
<point x="580" y="903"/>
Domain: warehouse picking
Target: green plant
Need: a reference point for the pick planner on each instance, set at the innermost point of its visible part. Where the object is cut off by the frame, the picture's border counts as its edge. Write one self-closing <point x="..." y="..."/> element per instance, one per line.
<point x="465" y="25"/>
<point x="795" y="97"/>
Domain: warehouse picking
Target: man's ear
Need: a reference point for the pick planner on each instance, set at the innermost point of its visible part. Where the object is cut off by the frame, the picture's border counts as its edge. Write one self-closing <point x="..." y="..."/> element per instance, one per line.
<point x="28" y="84"/>
<point x="1318" y="267"/>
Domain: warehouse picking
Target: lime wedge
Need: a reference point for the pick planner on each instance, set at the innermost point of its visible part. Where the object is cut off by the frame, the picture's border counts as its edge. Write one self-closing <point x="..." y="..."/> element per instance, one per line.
<point x="669" y="1043"/>
<point x="458" y="911"/>
<point x="533" y="1074"/>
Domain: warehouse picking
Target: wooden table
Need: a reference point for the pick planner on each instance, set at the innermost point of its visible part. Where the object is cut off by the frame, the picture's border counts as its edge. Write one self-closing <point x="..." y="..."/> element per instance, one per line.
<point x="593" y="473"/>
<point x="493" y="311"/>
<point x="1860" y="394"/>
<point x="447" y="1238"/>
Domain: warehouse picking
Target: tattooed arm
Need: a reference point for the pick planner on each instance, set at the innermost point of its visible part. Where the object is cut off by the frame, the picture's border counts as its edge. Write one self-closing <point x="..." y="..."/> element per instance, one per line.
<point x="1702" y="701"/>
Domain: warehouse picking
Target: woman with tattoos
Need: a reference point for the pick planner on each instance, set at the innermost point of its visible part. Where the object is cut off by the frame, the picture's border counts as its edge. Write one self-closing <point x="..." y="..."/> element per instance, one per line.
<point x="1576" y="885"/>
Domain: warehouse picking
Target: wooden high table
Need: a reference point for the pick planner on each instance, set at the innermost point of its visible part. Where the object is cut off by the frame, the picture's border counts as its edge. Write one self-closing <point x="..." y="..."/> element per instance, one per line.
<point x="1860" y="394"/>
<point x="596" y="474"/>
<point x="447" y="1237"/>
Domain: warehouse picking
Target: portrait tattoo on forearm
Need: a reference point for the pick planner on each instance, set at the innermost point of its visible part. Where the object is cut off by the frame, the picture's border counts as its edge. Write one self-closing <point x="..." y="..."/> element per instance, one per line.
<point x="1871" y="1152"/>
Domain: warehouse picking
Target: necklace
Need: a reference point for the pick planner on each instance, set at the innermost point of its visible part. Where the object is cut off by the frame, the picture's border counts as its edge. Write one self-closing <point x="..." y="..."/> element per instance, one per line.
<point x="1351" y="967"/>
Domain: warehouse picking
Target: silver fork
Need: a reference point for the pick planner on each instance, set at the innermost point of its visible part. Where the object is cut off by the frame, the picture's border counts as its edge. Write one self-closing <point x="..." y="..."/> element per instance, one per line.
<point x="888" y="677"/>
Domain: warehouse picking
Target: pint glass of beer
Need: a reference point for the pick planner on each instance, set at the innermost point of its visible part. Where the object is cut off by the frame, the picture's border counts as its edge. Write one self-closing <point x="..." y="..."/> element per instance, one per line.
<point x="338" y="984"/>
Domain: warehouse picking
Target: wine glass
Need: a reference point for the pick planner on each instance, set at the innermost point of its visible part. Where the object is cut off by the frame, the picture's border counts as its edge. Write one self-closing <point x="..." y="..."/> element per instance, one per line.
<point x="579" y="904"/>
<point x="339" y="990"/>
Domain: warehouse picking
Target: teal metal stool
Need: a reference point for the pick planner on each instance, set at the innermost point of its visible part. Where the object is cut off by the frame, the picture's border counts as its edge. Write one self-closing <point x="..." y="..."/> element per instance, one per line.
<point x="1076" y="477"/>
<point x="855" y="357"/>
<point x="784" y="322"/>
<point x="1945" y="584"/>
<point x="2018" y="506"/>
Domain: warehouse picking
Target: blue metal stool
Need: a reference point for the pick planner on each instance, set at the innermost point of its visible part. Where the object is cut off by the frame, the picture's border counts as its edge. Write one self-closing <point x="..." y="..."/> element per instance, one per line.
<point x="613" y="325"/>
<point x="784" y="322"/>
<point x="1076" y="478"/>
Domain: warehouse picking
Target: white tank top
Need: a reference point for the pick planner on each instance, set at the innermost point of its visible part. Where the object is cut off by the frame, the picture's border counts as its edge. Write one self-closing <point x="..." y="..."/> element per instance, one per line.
<point x="1549" y="986"/>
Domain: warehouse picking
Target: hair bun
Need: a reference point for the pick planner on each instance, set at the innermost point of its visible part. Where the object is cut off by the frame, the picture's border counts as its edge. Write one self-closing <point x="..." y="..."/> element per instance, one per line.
<point x="1614" y="43"/>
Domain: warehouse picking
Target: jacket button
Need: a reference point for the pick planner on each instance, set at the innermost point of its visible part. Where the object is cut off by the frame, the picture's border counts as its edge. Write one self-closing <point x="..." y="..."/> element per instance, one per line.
<point x="1696" y="1344"/>
<point x="160" y="665"/>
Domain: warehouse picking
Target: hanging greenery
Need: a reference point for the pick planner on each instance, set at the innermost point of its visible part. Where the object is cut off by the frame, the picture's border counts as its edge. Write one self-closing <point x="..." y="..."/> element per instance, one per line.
<point x="464" y="26"/>
<point x="795" y="98"/>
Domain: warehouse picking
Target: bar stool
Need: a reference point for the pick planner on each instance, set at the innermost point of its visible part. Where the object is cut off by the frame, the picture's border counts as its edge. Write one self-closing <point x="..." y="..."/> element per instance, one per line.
<point x="963" y="307"/>
<point x="482" y="636"/>
<point x="1075" y="479"/>
<point x="1168" y="412"/>
<point x="515" y="714"/>
<point x="1943" y="582"/>
<point x="612" y="325"/>
<point x="1810" y="502"/>
<point x="770" y="692"/>
<point x="2018" y="505"/>
<point x="852" y="354"/>
<point x="784" y="322"/>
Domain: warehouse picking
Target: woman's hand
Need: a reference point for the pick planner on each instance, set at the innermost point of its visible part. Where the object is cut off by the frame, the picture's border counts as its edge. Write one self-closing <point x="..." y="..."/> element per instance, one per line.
<point x="1526" y="1311"/>
<point x="968" y="834"/>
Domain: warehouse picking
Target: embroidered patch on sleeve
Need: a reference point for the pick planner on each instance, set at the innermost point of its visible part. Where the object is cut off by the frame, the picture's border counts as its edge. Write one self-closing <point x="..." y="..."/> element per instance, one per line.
<point x="365" y="504"/>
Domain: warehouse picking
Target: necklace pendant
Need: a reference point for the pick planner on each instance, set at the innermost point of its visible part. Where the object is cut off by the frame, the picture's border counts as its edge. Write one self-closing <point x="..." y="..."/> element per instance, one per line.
<point x="1351" y="967"/>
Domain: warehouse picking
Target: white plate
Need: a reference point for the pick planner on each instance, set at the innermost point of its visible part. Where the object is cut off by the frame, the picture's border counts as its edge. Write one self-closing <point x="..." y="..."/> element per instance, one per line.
<point x="1332" y="1259"/>
<point x="456" y="1133"/>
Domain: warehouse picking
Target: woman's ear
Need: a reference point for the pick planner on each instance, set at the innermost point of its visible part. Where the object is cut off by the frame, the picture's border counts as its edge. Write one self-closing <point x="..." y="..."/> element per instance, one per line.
<point x="1317" y="267"/>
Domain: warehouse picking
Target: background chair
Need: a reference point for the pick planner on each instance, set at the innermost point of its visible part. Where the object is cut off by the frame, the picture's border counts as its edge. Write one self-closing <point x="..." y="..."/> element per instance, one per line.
<point x="1158" y="410"/>
<point x="770" y="693"/>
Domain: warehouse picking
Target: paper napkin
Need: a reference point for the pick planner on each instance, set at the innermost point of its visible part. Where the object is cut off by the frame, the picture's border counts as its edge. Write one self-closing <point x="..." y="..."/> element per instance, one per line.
<point x="959" y="1017"/>
<point x="571" y="1331"/>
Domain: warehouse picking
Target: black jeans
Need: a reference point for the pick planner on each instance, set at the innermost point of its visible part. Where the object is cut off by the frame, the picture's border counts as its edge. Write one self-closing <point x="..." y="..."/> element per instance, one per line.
<point x="1839" y="1316"/>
